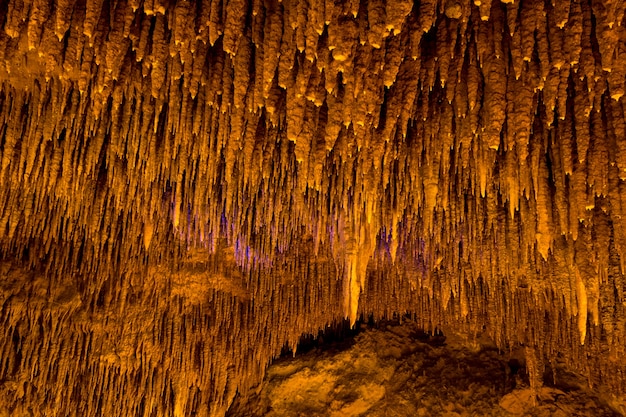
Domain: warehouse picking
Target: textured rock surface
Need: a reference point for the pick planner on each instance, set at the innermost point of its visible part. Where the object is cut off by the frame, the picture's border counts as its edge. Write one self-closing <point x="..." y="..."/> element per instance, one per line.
<point x="396" y="370"/>
<point x="186" y="186"/>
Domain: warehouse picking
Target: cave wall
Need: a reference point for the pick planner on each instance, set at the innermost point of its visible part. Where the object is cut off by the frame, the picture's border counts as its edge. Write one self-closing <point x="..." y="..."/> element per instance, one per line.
<point x="186" y="186"/>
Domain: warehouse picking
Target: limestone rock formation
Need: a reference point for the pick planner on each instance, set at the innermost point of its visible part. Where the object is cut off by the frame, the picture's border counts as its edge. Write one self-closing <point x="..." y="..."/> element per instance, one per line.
<point x="186" y="186"/>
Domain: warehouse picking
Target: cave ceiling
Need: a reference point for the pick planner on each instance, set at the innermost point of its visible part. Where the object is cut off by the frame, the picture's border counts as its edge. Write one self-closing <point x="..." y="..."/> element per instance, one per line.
<point x="187" y="186"/>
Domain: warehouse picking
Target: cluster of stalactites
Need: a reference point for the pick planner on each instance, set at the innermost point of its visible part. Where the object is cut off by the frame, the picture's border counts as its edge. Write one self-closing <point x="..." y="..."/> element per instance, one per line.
<point x="260" y="119"/>
<point x="450" y="139"/>
<point x="153" y="342"/>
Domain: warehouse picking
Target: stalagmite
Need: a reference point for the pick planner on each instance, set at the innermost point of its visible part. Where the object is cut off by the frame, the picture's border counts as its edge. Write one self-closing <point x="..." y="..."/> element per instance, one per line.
<point x="188" y="186"/>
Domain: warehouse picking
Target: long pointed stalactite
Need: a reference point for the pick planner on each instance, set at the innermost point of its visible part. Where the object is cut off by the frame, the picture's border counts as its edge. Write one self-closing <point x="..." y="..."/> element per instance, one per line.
<point x="186" y="186"/>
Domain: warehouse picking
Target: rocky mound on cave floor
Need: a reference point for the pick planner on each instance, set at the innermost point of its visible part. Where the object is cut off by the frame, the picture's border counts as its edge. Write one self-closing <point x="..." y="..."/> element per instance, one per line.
<point x="397" y="370"/>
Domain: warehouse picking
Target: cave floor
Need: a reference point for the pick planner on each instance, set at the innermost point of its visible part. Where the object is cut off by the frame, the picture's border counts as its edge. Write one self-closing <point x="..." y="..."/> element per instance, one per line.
<point x="397" y="370"/>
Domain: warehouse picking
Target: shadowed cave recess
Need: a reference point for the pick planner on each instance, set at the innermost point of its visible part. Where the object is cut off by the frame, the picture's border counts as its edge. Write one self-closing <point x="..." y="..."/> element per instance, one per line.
<point x="187" y="187"/>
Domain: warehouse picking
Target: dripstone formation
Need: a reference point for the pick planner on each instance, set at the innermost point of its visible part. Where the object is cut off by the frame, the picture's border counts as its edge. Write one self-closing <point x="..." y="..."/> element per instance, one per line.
<point x="187" y="186"/>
